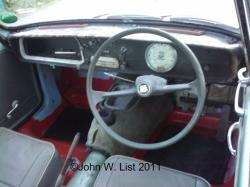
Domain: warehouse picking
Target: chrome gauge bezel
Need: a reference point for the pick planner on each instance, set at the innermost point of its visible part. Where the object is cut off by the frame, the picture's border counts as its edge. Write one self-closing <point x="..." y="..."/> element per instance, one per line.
<point x="163" y="70"/>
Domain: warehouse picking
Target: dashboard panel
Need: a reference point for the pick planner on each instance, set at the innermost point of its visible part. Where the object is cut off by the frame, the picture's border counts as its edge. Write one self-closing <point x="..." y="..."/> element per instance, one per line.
<point x="219" y="55"/>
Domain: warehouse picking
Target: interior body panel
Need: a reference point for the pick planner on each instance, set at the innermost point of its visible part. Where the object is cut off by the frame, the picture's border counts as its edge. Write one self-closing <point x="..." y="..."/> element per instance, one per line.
<point x="19" y="84"/>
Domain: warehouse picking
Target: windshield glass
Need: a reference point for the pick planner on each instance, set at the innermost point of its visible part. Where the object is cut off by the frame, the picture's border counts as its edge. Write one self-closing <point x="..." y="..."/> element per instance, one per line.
<point x="33" y="11"/>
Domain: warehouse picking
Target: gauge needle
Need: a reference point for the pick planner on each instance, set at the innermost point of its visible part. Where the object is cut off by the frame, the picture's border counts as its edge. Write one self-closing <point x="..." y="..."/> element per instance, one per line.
<point x="117" y="77"/>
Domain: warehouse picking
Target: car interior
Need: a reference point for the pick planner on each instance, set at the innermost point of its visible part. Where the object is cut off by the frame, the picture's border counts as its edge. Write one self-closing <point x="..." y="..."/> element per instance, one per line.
<point x="118" y="104"/>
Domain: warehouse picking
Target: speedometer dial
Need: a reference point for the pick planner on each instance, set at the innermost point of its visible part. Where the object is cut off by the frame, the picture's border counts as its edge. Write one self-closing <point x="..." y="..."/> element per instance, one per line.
<point x="160" y="57"/>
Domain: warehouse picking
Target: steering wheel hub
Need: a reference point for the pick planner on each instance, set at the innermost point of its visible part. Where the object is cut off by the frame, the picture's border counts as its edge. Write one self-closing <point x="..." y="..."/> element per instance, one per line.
<point x="143" y="90"/>
<point x="148" y="85"/>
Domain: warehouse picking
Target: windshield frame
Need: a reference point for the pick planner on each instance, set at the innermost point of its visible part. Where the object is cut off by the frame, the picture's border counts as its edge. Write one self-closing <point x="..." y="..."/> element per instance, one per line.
<point x="231" y="31"/>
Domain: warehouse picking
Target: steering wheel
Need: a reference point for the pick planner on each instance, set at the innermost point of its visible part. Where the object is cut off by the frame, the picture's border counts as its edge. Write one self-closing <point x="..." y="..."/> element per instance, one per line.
<point x="146" y="86"/>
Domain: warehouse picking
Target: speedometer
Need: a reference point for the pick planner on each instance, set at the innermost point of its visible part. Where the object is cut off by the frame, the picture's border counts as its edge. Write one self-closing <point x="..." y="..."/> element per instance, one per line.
<point x="160" y="57"/>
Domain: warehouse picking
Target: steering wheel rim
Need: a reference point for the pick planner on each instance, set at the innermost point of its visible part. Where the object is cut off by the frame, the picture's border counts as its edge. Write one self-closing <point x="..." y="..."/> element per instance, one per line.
<point x="200" y="89"/>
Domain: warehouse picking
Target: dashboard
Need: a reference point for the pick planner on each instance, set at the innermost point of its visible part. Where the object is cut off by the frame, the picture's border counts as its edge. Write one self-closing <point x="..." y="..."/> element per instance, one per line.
<point x="74" y="47"/>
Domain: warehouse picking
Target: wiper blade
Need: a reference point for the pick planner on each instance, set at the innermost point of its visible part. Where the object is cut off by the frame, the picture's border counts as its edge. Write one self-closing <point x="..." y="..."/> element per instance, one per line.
<point x="200" y="21"/>
<point x="165" y="18"/>
<point x="128" y="17"/>
<point x="192" y="20"/>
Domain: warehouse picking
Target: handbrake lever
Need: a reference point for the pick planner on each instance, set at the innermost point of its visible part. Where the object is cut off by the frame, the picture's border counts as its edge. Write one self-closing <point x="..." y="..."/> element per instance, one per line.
<point x="60" y="179"/>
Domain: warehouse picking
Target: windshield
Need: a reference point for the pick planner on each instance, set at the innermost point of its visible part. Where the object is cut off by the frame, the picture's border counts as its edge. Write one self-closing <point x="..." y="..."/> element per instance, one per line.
<point x="33" y="11"/>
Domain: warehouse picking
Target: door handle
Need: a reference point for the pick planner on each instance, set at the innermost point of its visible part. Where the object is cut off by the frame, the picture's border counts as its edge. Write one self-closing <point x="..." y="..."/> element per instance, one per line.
<point x="14" y="106"/>
<point x="232" y="128"/>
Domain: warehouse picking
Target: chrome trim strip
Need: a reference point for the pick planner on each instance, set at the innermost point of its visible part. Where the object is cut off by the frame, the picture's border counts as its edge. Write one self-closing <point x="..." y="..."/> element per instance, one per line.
<point x="243" y="155"/>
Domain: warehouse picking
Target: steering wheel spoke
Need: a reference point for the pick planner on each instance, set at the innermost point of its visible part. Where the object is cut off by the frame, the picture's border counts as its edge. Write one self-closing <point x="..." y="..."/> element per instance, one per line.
<point x="195" y="87"/>
<point x="176" y="87"/>
<point x="126" y="92"/>
<point x="192" y="86"/>
<point x="99" y="96"/>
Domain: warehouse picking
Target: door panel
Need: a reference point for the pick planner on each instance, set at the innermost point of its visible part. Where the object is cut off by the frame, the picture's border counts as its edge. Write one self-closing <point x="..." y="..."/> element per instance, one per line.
<point x="18" y="85"/>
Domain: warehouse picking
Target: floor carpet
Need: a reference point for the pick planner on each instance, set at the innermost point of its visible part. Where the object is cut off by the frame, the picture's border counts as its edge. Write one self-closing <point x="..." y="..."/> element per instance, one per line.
<point x="194" y="154"/>
<point x="70" y="121"/>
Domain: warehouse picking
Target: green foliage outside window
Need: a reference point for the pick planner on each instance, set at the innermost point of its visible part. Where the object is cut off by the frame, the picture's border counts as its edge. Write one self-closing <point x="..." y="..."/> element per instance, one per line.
<point x="25" y="6"/>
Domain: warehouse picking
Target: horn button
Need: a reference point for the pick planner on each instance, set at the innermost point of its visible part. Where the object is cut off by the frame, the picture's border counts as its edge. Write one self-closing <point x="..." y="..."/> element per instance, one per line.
<point x="148" y="85"/>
